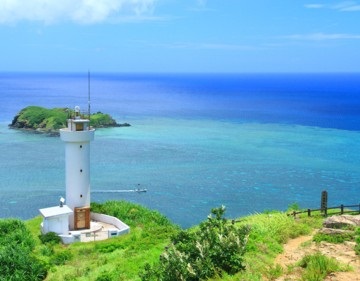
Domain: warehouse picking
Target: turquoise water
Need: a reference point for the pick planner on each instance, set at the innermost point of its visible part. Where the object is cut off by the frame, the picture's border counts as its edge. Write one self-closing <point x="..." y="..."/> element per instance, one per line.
<point x="190" y="160"/>
<point x="190" y="166"/>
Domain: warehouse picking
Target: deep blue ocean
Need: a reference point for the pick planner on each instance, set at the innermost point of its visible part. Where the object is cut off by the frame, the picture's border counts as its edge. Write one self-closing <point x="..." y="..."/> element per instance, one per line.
<point x="251" y="142"/>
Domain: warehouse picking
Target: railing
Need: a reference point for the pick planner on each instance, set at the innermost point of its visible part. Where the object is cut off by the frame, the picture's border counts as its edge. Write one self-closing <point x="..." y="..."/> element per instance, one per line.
<point x="324" y="211"/>
<point x="82" y="114"/>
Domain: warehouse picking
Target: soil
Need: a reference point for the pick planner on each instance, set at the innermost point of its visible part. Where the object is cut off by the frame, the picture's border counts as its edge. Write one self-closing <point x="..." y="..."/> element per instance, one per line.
<point x="296" y="248"/>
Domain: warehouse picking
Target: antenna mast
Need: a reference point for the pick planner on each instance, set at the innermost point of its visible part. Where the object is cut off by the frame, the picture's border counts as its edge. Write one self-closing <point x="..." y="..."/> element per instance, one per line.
<point x="89" y="93"/>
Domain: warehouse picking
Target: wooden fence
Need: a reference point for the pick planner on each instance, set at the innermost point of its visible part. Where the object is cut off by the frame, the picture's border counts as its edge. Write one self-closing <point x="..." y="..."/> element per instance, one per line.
<point x="324" y="211"/>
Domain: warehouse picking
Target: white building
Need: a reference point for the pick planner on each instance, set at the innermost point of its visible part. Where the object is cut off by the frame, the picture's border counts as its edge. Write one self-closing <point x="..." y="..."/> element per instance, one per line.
<point x="77" y="137"/>
<point x="56" y="219"/>
<point x="66" y="220"/>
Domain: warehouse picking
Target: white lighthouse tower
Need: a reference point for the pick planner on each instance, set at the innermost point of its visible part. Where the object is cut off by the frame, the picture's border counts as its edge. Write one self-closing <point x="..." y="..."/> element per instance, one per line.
<point x="77" y="137"/>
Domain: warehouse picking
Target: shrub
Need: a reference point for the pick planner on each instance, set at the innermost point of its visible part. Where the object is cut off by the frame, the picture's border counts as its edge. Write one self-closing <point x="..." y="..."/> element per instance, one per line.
<point x="50" y="237"/>
<point x="16" y="258"/>
<point x="216" y="247"/>
<point x="294" y="207"/>
<point x="61" y="258"/>
<point x="105" y="276"/>
<point x="132" y="214"/>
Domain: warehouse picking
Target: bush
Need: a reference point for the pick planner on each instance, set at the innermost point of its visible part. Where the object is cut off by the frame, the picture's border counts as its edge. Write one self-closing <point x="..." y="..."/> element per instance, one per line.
<point x="50" y="237"/>
<point x="132" y="214"/>
<point x="16" y="258"/>
<point x="216" y="247"/>
<point x="105" y="276"/>
<point x="61" y="258"/>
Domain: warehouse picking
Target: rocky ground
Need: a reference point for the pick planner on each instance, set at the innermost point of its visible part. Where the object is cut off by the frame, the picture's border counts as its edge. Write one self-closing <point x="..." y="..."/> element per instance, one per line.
<point x="297" y="248"/>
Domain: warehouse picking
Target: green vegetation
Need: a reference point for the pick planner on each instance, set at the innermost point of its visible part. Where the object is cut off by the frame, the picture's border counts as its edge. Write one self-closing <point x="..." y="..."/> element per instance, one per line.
<point x="357" y="240"/>
<point x="156" y="249"/>
<point x="50" y="237"/>
<point x="17" y="261"/>
<point x="334" y="238"/>
<point x="51" y="120"/>
<point x="215" y="247"/>
<point x="119" y="258"/>
<point x="99" y="120"/>
<point x="317" y="267"/>
<point x="268" y="234"/>
<point x="36" y="117"/>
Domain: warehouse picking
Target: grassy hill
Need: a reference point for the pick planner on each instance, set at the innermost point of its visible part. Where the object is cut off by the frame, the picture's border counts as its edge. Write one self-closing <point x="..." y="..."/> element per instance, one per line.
<point x="149" y="243"/>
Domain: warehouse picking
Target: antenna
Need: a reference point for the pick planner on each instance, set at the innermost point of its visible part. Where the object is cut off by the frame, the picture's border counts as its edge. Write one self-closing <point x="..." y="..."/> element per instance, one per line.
<point x="89" y="93"/>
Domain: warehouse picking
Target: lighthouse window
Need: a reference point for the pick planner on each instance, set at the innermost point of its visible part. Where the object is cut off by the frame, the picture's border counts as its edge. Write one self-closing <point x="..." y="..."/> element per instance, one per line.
<point x="80" y="146"/>
<point x="80" y="170"/>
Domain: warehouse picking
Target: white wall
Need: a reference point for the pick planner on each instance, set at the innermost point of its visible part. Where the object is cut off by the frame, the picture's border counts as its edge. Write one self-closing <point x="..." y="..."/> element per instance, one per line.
<point x="57" y="224"/>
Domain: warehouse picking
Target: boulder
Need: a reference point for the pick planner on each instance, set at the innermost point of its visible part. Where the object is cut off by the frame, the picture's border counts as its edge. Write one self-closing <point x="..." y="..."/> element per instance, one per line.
<point x="342" y="221"/>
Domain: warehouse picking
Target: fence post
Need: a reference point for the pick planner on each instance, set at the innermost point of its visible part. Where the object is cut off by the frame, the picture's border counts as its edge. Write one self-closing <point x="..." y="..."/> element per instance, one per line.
<point x="342" y="209"/>
<point x="309" y="212"/>
<point x="324" y="201"/>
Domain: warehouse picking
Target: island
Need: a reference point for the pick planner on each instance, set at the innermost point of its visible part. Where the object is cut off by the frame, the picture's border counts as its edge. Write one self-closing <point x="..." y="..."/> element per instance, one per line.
<point x="44" y="120"/>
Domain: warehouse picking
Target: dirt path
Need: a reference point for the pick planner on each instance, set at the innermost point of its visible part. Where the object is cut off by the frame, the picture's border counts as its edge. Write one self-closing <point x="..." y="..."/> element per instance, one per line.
<point x="296" y="248"/>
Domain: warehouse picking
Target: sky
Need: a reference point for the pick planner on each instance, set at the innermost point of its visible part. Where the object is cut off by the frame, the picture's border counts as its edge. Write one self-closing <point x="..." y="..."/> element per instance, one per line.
<point x="218" y="36"/>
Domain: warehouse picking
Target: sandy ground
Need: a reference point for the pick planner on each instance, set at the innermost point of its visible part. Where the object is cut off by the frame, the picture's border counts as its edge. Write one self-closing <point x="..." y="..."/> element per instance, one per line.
<point x="296" y="248"/>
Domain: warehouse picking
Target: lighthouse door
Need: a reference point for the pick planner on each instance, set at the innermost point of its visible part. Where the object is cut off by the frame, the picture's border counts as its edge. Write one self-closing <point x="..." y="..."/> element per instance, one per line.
<point x="82" y="218"/>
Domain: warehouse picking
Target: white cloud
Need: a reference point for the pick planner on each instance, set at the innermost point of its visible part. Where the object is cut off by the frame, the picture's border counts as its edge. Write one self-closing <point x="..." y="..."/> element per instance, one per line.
<point x="323" y="36"/>
<point x="343" y="6"/>
<point x="204" y="46"/>
<point x="314" y="6"/>
<point x="201" y="2"/>
<point x="79" y="11"/>
<point x="346" y="6"/>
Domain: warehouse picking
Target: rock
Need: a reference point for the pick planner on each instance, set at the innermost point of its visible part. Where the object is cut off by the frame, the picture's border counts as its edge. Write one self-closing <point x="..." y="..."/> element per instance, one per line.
<point x="123" y="125"/>
<point x="342" y="221"/>
<point x="334" y="231"/>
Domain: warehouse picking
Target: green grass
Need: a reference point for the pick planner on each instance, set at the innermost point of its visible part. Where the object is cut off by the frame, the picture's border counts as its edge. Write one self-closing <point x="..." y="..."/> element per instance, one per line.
<point x="318" y="266"/>
<point x="268" y="234"/>
<point x="357" y="240"/>
<point x="122" y="258"/>
<point x="118" y="258"/>
<point x="334" y="238"/>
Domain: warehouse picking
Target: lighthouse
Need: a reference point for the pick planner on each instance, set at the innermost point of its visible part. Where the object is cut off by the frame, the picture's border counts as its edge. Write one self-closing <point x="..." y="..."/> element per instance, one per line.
<point x="77" y="137"/>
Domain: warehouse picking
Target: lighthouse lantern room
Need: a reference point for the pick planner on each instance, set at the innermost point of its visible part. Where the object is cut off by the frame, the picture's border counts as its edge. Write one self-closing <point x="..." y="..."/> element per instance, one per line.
<point x="77" y="137"/>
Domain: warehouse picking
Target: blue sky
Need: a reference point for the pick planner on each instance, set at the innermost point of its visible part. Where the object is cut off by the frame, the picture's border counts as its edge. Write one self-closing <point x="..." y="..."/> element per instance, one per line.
<point x="180" y="36"/>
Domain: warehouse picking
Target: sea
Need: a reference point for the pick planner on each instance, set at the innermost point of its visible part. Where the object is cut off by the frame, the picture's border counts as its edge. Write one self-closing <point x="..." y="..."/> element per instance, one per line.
<point x="250" y="142"/>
